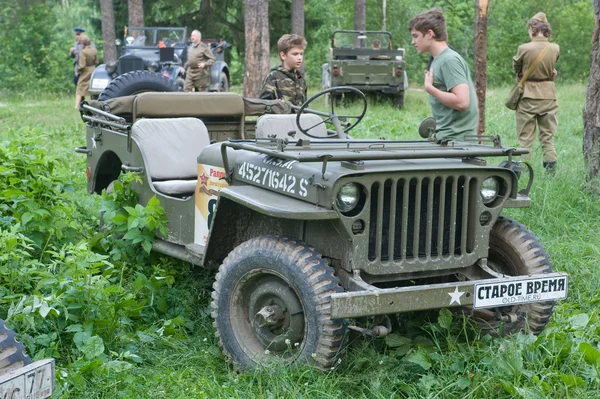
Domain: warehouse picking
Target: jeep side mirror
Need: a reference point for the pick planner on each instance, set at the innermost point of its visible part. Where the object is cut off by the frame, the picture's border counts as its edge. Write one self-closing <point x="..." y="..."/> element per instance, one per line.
<point x="427" y="127"/>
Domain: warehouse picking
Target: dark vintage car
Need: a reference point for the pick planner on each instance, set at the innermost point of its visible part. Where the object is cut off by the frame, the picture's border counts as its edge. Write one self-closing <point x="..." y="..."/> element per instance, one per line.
<point x="152" y="59"/>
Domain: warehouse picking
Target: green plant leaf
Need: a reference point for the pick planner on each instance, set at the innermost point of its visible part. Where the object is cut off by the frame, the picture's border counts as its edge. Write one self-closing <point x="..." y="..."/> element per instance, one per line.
<point x="445" y="319"/>
<point x="590" y="354"/>
<point x="421" y="358"/>
<point x="93" y="347"/>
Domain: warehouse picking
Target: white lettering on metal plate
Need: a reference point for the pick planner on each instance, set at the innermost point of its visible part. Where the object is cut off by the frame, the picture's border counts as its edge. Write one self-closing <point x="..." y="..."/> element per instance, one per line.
<point x="273" y="179"/>
<point x="528" y="290"/>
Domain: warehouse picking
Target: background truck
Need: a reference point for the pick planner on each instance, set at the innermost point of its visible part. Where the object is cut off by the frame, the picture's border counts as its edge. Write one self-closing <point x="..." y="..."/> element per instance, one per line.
<point x="151" y="59"/>
<point x="367" y="61"/>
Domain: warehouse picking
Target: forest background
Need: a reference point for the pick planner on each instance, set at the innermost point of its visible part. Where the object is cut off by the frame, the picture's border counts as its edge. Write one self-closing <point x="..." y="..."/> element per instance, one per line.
<point x="36" y="34"/>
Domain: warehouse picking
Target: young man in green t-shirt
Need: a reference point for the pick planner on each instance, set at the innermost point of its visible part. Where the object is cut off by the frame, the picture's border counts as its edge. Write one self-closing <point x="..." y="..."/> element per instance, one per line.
<point x="448" y="80"/>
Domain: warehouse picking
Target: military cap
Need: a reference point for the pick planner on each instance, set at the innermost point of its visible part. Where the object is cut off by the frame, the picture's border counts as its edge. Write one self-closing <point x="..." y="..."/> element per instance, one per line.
<point x="80" y="30"/>
<point x="540" y="16"/>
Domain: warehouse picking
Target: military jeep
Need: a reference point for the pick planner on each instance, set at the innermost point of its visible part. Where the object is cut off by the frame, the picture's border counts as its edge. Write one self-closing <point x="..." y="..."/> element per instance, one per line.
<point x="367" y="61"/>
<point x="151" y="59"/>
<point x="313" y="232"/>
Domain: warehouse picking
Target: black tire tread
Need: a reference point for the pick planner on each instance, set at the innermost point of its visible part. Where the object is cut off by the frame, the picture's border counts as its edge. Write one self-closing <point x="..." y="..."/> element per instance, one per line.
<point x="12" y="352"/>
<point x="317" y="271"/>
<point x="536" y="260"/>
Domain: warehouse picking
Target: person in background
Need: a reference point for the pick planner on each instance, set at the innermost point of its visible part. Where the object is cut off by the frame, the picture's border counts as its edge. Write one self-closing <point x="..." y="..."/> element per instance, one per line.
<point x="448" y="80"/>
<point x="197" y="67"/>
<point x="538" y="103"/>
<point x="286" y="81"/>
<point x="88" y="58"/>
<point x="75" y="50"/>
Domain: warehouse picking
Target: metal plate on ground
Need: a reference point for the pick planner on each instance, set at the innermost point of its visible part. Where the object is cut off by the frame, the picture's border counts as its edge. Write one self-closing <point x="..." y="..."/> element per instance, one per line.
<point x="527" y="290"/>
<point x="35" y="381"/>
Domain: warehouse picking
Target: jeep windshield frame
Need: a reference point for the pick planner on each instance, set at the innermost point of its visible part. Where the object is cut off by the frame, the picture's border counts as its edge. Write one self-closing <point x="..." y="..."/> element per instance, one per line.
<point x="367" y="150"/>
<point x="149" y="37"/>
<point x="354" y="39"/>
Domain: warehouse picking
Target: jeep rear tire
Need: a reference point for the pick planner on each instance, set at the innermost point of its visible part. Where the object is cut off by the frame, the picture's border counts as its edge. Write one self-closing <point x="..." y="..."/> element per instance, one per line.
<point x="136" y="82"/>
<point x="12" y="352"/>
<point x="272" y="303"/>
<point x="515" y="251"/>
<point x="399" y="99"/>
<point x="223" y="82"/>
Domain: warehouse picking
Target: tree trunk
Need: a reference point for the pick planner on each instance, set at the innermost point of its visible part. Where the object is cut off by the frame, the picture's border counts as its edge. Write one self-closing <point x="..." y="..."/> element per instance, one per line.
<point x="108" y="30"/>
<point x="298" y="17"/>
<point x="481" y="10"/>
<point x="591" y="118"/>
<point x="207" y="26"/>
<point x="136" y="13"/>
<point x="257" y="46"/>
<point x="360" y="15"/>
<point x="384" y="17"/>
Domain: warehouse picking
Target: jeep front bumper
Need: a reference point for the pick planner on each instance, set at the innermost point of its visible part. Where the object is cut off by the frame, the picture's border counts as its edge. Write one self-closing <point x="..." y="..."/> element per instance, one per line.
<point x="487" y="293"/>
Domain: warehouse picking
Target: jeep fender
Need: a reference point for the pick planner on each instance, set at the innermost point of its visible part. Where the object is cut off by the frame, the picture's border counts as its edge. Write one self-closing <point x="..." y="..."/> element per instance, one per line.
<point x="215" y="74"/>
<point x="244" y="212"/>
<point x="99" y="73"/>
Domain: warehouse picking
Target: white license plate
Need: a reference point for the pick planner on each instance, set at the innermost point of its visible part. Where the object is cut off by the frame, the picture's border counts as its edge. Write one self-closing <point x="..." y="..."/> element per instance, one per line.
<point x="35" y="381"/>
<point x="99" y="83"/>
<point x="526" y="290"/>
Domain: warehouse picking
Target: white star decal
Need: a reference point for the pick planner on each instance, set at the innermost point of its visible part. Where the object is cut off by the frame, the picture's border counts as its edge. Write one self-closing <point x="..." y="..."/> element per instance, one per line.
<point x="455" y="296"/>
<point x="93" y="142"/>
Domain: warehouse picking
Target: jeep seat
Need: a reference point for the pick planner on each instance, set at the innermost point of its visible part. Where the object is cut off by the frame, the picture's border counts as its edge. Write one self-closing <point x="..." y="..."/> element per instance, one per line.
<point x="170" y="148"/>
<point x="284" y="126"/>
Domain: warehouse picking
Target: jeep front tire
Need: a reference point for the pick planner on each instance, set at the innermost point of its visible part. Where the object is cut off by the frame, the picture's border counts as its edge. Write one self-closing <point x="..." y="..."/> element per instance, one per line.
<point x="272" y="303"/>
<point x="515" y="251"/>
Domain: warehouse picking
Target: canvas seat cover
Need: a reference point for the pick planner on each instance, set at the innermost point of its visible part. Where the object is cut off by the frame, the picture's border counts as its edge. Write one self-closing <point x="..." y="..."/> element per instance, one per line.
<point x="170" y="148"/>
<point x="282" y="126"/>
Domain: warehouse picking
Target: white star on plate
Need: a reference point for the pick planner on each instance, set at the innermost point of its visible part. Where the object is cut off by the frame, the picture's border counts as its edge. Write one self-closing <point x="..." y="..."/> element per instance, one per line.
<point x="93" y="142"/>
<point x="455" y="296"/>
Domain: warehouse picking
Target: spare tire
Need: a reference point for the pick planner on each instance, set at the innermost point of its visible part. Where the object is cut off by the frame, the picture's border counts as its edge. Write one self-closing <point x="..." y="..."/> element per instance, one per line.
<point x="136" y="82"/>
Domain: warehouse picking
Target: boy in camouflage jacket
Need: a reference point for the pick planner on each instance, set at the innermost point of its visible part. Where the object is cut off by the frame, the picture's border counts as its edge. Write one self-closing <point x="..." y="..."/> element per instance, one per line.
<point x="286" y="82"/>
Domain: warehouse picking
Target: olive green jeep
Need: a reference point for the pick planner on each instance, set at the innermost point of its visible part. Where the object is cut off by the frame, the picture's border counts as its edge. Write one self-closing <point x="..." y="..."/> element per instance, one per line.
<point x="367" y="61"/>
<point x="313" y="232"/>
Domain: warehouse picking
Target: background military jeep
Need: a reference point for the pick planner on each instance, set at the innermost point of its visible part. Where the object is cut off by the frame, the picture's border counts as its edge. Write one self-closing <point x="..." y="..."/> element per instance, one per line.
<point x="309" y="232"/>
<point x="144" y="66"/>
<point x="355" y="60"/>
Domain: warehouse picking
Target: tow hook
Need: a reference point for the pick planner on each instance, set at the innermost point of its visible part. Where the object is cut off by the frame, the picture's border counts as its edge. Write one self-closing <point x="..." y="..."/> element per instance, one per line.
<point x="377" y="331"/>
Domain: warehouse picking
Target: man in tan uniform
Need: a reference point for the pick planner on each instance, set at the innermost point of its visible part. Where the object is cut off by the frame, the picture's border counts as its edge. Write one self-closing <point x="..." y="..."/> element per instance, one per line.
<point x="538" y="103"/>
<point x="197" y="67"/>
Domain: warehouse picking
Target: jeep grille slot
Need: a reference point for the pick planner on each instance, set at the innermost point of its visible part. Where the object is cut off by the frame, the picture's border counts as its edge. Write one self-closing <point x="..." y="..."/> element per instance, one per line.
<point x="128" y="64"/>
<point x="420" y="217"/>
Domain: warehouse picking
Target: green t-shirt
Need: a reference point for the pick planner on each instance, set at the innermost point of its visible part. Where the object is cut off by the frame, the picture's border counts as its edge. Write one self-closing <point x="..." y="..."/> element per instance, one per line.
<point x="449" y="70"/>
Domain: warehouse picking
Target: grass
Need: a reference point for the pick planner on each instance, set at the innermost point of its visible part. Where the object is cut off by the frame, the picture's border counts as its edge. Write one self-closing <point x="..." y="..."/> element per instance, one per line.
<point x="426" y="358"/>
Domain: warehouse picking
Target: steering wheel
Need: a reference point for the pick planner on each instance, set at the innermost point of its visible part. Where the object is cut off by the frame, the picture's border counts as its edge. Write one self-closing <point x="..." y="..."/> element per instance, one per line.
<point x="332" y="117"/>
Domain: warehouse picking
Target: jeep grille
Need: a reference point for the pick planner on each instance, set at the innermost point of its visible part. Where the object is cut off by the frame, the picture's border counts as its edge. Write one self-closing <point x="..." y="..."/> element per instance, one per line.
<point x="421" y="217"/>
<point x="130" y="64"/>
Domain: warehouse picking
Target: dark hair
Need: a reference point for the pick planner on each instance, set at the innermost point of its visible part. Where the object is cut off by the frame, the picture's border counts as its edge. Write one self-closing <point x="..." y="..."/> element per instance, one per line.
<point x="431" y="19"/>
<point x="539" y="26"/>
<point x="376" y="44"/>
<point x="287" y="41"/>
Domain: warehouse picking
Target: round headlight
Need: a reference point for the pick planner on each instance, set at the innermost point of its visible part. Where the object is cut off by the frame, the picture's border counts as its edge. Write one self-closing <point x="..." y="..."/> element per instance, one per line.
<point x="347" y="197"/>
<point x="153" y="66"/>
<point x="489" y="189"/>
<point x="111" y="66"/>
<point x="118" y="42"/>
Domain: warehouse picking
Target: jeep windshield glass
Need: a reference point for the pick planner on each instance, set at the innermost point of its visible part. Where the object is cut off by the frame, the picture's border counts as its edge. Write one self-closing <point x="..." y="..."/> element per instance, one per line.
<point x="155" y="37"/>
<point x="368" y="40"/>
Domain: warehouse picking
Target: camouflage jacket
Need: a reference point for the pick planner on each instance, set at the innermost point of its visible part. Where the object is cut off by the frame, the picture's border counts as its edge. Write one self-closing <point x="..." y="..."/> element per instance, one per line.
<point x="282" y="84"/>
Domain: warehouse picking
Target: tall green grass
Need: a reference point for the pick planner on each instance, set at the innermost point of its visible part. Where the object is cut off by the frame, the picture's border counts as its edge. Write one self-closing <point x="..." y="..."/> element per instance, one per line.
<point x="432" y="355"/>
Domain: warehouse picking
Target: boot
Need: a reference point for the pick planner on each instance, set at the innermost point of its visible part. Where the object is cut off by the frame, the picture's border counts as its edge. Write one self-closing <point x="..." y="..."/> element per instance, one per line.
<point x="550" y="167"/>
